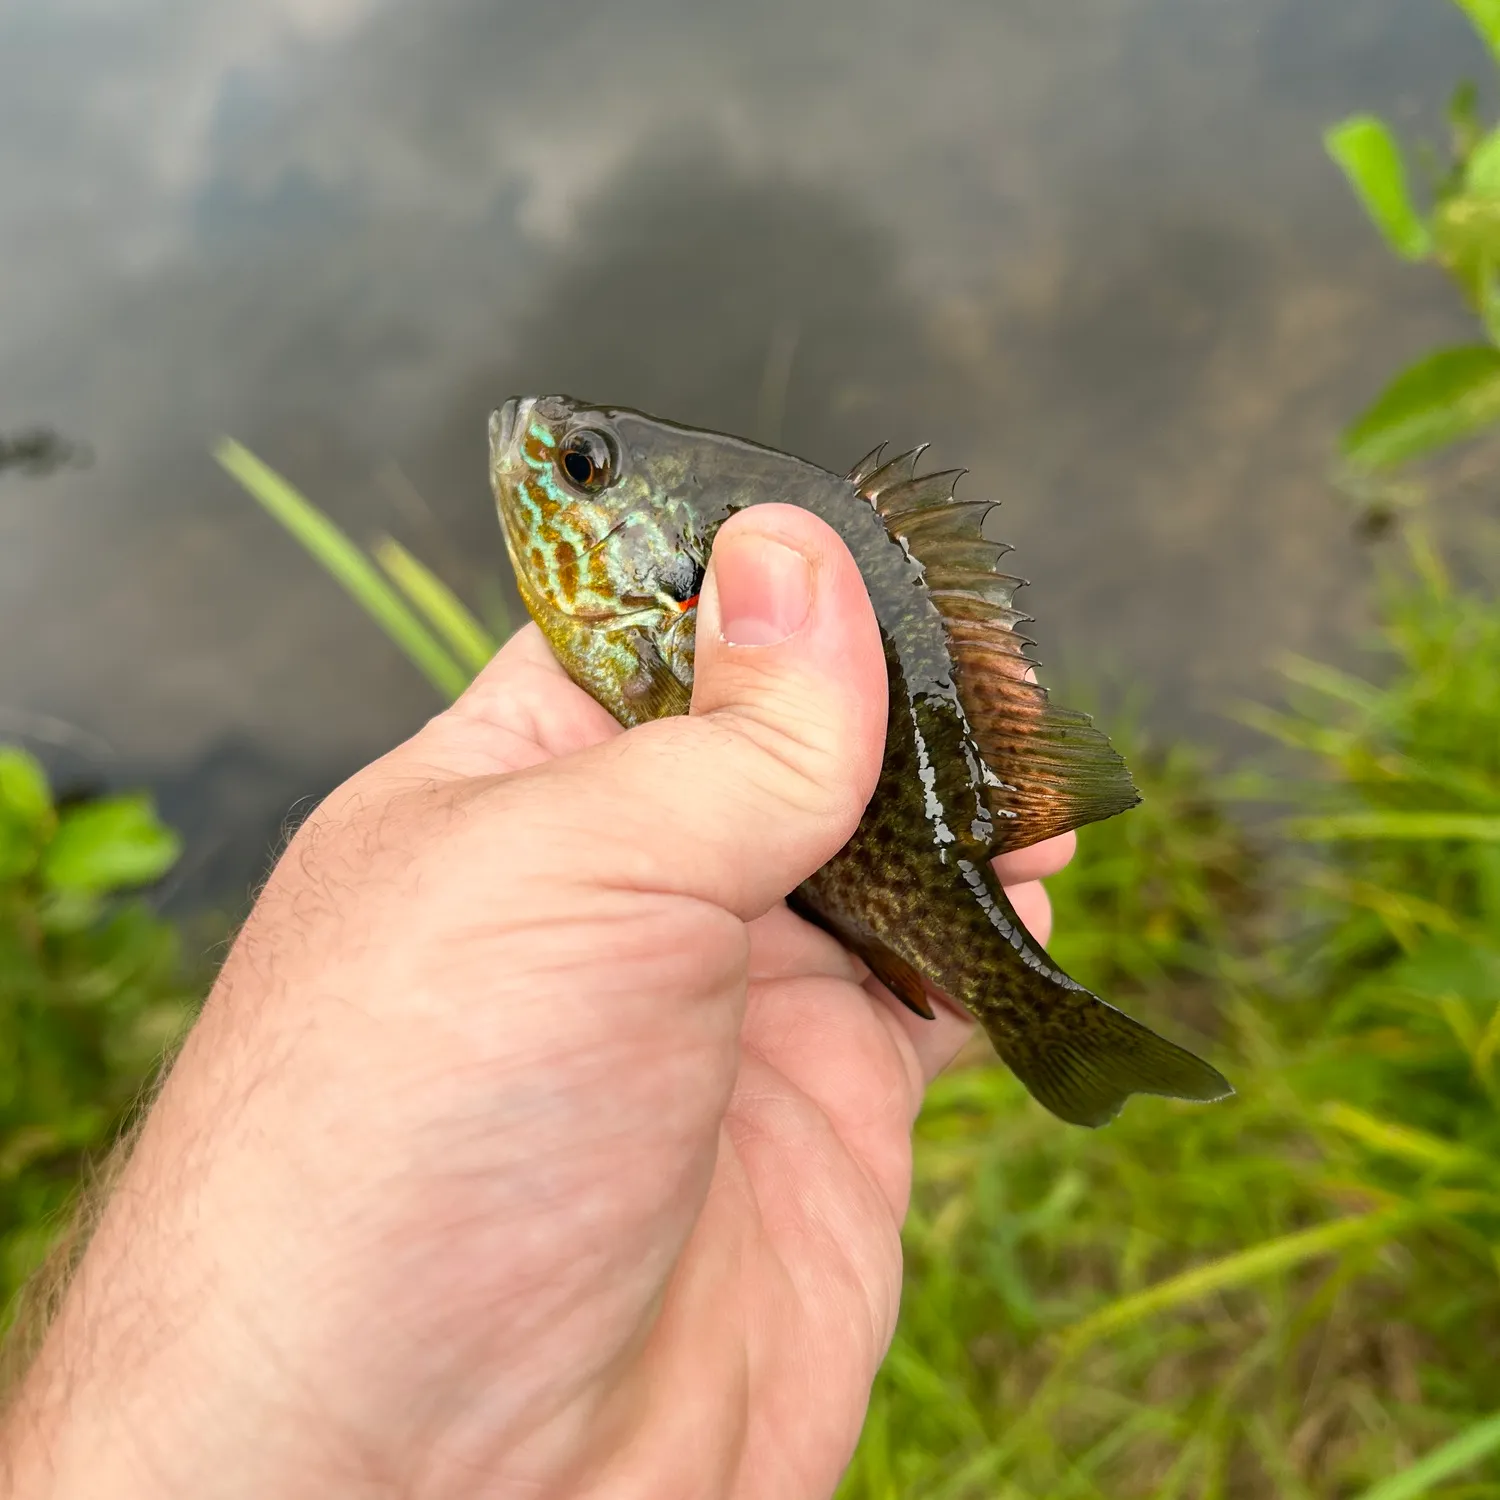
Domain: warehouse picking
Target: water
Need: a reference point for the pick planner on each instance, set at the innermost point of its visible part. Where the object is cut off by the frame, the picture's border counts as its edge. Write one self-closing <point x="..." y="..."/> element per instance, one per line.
<point x="1091" y="251"/>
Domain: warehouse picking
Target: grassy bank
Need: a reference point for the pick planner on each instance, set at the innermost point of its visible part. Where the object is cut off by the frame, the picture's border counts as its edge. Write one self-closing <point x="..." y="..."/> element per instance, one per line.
<point x="1297" y="1293"/>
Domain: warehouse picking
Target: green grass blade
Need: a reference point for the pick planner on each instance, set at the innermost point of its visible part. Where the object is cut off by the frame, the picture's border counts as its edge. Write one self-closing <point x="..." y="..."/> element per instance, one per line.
<point x="1233" y="1271"/>
<point x="1329" y="681"/>
<point x="445" y="611"/>
<point x="1482" y="171"/>
<point x="1477" y="828"/>
<point x="496" y="611"/>
<point x="1404" y="1141"/>
<point x="347" y="563"/>
<point x="1457" y="1453"/>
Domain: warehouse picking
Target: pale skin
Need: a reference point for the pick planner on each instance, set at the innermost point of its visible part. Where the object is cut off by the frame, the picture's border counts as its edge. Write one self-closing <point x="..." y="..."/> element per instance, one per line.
<point x="528" y="1145"/>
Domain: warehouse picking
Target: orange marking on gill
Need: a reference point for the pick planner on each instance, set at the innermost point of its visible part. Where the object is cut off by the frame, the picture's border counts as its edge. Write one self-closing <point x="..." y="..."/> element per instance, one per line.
<point x="567" y="569"/>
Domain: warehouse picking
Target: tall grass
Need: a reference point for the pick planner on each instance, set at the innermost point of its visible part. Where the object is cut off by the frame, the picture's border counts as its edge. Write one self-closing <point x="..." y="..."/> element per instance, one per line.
<point x="1295" y="1294"/>
<point x="419" y="613"/>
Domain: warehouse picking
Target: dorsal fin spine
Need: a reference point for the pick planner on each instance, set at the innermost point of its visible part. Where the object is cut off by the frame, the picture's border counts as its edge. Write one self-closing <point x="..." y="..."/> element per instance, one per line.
<point x="953" y="518"/>
<point x="891" y="473"/>
<point x="866" y="466"/>
<point x="920" y="494"/>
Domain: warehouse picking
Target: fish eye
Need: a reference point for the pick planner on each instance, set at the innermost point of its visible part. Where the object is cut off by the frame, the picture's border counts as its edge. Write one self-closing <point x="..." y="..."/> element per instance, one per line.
<point x="587" y="458"/>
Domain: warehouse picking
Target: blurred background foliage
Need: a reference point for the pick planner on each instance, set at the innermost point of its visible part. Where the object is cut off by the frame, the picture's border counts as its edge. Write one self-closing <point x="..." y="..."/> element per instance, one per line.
<point x="93" y="990"/>
<point x="1296" y="1294"/>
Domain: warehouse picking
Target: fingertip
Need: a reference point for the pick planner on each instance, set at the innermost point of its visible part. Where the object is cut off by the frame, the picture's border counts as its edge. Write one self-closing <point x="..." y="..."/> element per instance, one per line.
<point x="1037" y="861"/>
<point x="1034" y="907"/>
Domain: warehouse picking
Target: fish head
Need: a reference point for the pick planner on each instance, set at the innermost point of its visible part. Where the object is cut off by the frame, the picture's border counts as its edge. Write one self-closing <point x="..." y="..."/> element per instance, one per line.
<point x="609" y="516"/>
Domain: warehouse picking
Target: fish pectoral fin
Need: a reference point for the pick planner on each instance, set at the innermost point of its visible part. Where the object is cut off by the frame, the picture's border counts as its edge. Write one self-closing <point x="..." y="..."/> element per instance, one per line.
<point x="655" y="692"/>
<point x="899" y="978"/>
<point x="1082" y="1059"/>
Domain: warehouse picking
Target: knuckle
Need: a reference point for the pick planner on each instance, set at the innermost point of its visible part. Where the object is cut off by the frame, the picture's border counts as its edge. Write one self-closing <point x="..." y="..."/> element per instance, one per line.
<point x="796" y="758"/>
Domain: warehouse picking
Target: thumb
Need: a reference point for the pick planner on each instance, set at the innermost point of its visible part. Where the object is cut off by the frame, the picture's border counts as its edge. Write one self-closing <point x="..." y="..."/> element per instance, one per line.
<point x="766" y="779"/>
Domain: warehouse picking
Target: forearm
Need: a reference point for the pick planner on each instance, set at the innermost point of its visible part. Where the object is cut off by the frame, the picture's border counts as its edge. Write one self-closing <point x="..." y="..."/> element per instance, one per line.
<point x="140" y="1381"/>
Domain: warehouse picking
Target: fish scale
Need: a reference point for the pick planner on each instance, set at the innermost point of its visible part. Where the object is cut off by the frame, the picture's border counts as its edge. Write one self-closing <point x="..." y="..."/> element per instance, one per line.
<point x="978" y="760"/>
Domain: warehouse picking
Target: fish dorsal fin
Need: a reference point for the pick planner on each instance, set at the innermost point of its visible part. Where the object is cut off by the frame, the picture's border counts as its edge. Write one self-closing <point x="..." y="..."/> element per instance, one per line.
<point x="866" y="466"/>
<point x="889" y="475"/>
<point x="1049" y="769"/>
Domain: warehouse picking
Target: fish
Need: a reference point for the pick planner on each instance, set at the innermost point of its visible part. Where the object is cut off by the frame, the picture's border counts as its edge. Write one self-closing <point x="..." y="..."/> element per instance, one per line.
<point x="609" y="516"/>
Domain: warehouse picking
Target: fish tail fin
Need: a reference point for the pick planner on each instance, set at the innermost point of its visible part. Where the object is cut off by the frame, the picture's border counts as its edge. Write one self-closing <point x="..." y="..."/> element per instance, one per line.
<point x="1082" y="1059"/>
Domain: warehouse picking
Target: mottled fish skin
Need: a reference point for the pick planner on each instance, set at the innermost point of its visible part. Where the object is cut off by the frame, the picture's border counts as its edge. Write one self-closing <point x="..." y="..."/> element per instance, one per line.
<point x="609" y="516"/>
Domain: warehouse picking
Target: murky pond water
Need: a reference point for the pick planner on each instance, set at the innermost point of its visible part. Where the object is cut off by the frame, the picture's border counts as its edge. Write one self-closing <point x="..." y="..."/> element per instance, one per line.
<point x="1091" y="251"/>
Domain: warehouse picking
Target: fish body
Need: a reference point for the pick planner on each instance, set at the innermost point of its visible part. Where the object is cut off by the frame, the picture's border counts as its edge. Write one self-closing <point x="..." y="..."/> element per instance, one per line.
<point x="609" y="517"/>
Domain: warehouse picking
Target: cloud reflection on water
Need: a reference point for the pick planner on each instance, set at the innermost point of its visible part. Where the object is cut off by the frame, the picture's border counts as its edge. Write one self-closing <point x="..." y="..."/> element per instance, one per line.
<point x="1090" y="251"/>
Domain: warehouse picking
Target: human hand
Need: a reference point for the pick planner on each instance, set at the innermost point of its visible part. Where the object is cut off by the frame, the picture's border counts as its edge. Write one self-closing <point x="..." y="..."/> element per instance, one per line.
<point x="528" y="1144"/>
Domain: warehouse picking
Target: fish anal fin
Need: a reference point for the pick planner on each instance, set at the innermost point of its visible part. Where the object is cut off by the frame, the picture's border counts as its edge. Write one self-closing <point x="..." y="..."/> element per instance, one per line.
<point x="898" y="977"/>
<point x="893" y="971"/>
<point x="1082" y="1059"/>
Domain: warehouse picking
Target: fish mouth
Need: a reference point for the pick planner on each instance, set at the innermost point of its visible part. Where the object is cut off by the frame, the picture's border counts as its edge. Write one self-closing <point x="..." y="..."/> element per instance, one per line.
<point x="503" y="424"/>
